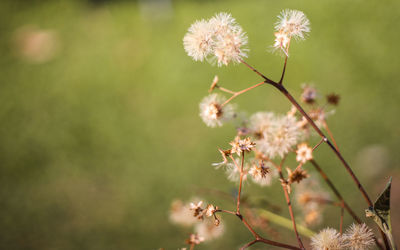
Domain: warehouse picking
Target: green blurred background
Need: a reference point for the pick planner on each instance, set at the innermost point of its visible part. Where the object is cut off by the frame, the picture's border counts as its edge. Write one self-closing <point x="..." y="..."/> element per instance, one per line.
<point x="99" y="114"/>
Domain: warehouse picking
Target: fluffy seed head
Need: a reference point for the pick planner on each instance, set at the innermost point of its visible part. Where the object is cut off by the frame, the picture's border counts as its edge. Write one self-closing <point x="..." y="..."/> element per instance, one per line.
<point x="326" y="239"/>
<point x="198" y="42"/>
<point x="229" y="46"/>
<point x="213" y="113"/>
<point x="208" y="230"/>
<point x="294" y="23"/>
<point x="220" y="39"/>
<point x="279" y="136"/>
<point x="181" y="214"/>
<point x="359" y="237"/>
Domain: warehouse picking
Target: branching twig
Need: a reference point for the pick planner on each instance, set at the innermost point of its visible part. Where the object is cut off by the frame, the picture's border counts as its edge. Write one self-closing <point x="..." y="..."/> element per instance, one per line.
<point x="286" y="93"/>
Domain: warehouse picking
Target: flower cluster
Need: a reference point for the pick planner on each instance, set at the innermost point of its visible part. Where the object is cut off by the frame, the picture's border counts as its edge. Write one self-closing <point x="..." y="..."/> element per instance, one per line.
<point x="357" y="237"/>
<point x="266" y="143"/>
<point x="195" y="214"/>
<point x="218" y="39"/>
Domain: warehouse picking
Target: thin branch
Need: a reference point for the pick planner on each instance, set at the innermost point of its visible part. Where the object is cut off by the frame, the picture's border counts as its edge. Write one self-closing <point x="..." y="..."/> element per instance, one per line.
<point x="335" y="190"/>
<point x="240" y="185"/>
<point x="225" y="89"/>
<point x="341" y="218"/>
<point x="330" y="135"/>
<point x="257" y="237"/>
<point x="256" y="71"/>
<point x="291" y="210"/>
<point x="236" y="94"/>
<point x="284" y="70"/>
<point x="249" y="244"/>
<point x="319" y="143"/>
<point x="192" y="246"/>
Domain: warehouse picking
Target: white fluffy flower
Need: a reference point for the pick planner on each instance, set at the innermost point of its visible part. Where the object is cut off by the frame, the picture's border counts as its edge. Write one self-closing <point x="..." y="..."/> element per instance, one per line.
<point x="181" y="214"/>
<point x="359" y="237"/>
<point x="220" y="36"/>
<point x="328" y="238"/>
<point x="294" y="23"/>
<point x="208" y="230"/>
<point x="213" y="113"/>
<point x="276" y="135"/>
<point x="198" y="42"/>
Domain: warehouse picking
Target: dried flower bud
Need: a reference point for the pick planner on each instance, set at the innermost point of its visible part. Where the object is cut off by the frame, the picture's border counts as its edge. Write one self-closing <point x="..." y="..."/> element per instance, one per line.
<point x="239" y="145"/>
<point x="198" y="210"/>
<point x="333" y="99"/>
<point x="210" y="210"/>
<point x="213" y="84"/>
<point x="309" y="94"/>
<point x="296" y="176"/>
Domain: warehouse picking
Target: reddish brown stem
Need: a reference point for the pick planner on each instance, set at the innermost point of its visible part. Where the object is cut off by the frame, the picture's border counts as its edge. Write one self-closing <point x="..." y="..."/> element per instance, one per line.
<point x="240" y="185"/>
<point x="335" y="190"/>
<point x="249" y="244"/>
<point x="331" y="135"/>
<point x="341" y="218"/>
<point x="257" y="237"/>
<point x="319" y="143"/>
<point x="236" y="94"/>
<point x="291" y="211"/>
<point x="257" y="72"/>
<point x="284" y="70"/>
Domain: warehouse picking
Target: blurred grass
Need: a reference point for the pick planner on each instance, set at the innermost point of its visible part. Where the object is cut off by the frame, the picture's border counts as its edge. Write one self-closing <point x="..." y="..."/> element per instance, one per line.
<point x="98" y="141"/>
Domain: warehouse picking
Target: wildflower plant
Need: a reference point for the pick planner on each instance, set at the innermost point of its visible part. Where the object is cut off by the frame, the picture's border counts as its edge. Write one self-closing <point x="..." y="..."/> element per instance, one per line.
<point x="264" y="141"/>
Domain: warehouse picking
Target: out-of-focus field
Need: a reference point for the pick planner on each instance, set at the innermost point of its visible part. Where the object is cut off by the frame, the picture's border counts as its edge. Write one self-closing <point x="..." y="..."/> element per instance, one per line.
<point x="99" y="125"/>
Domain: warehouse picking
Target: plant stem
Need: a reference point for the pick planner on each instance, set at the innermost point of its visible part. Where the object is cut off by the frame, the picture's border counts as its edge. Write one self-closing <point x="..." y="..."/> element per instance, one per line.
<point x="257" y="72"/>
<point x="334" y="190"/>
<point x="341" y="218"/>
<point x="257" y="237"/>
<point x="240" y="185"/>
<point x="330" y="135"/>
<point x="236" y="94"/>
<point x="284" y="70"/>
<point x="248" y="244"/>
<point x="291" y="210"/>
